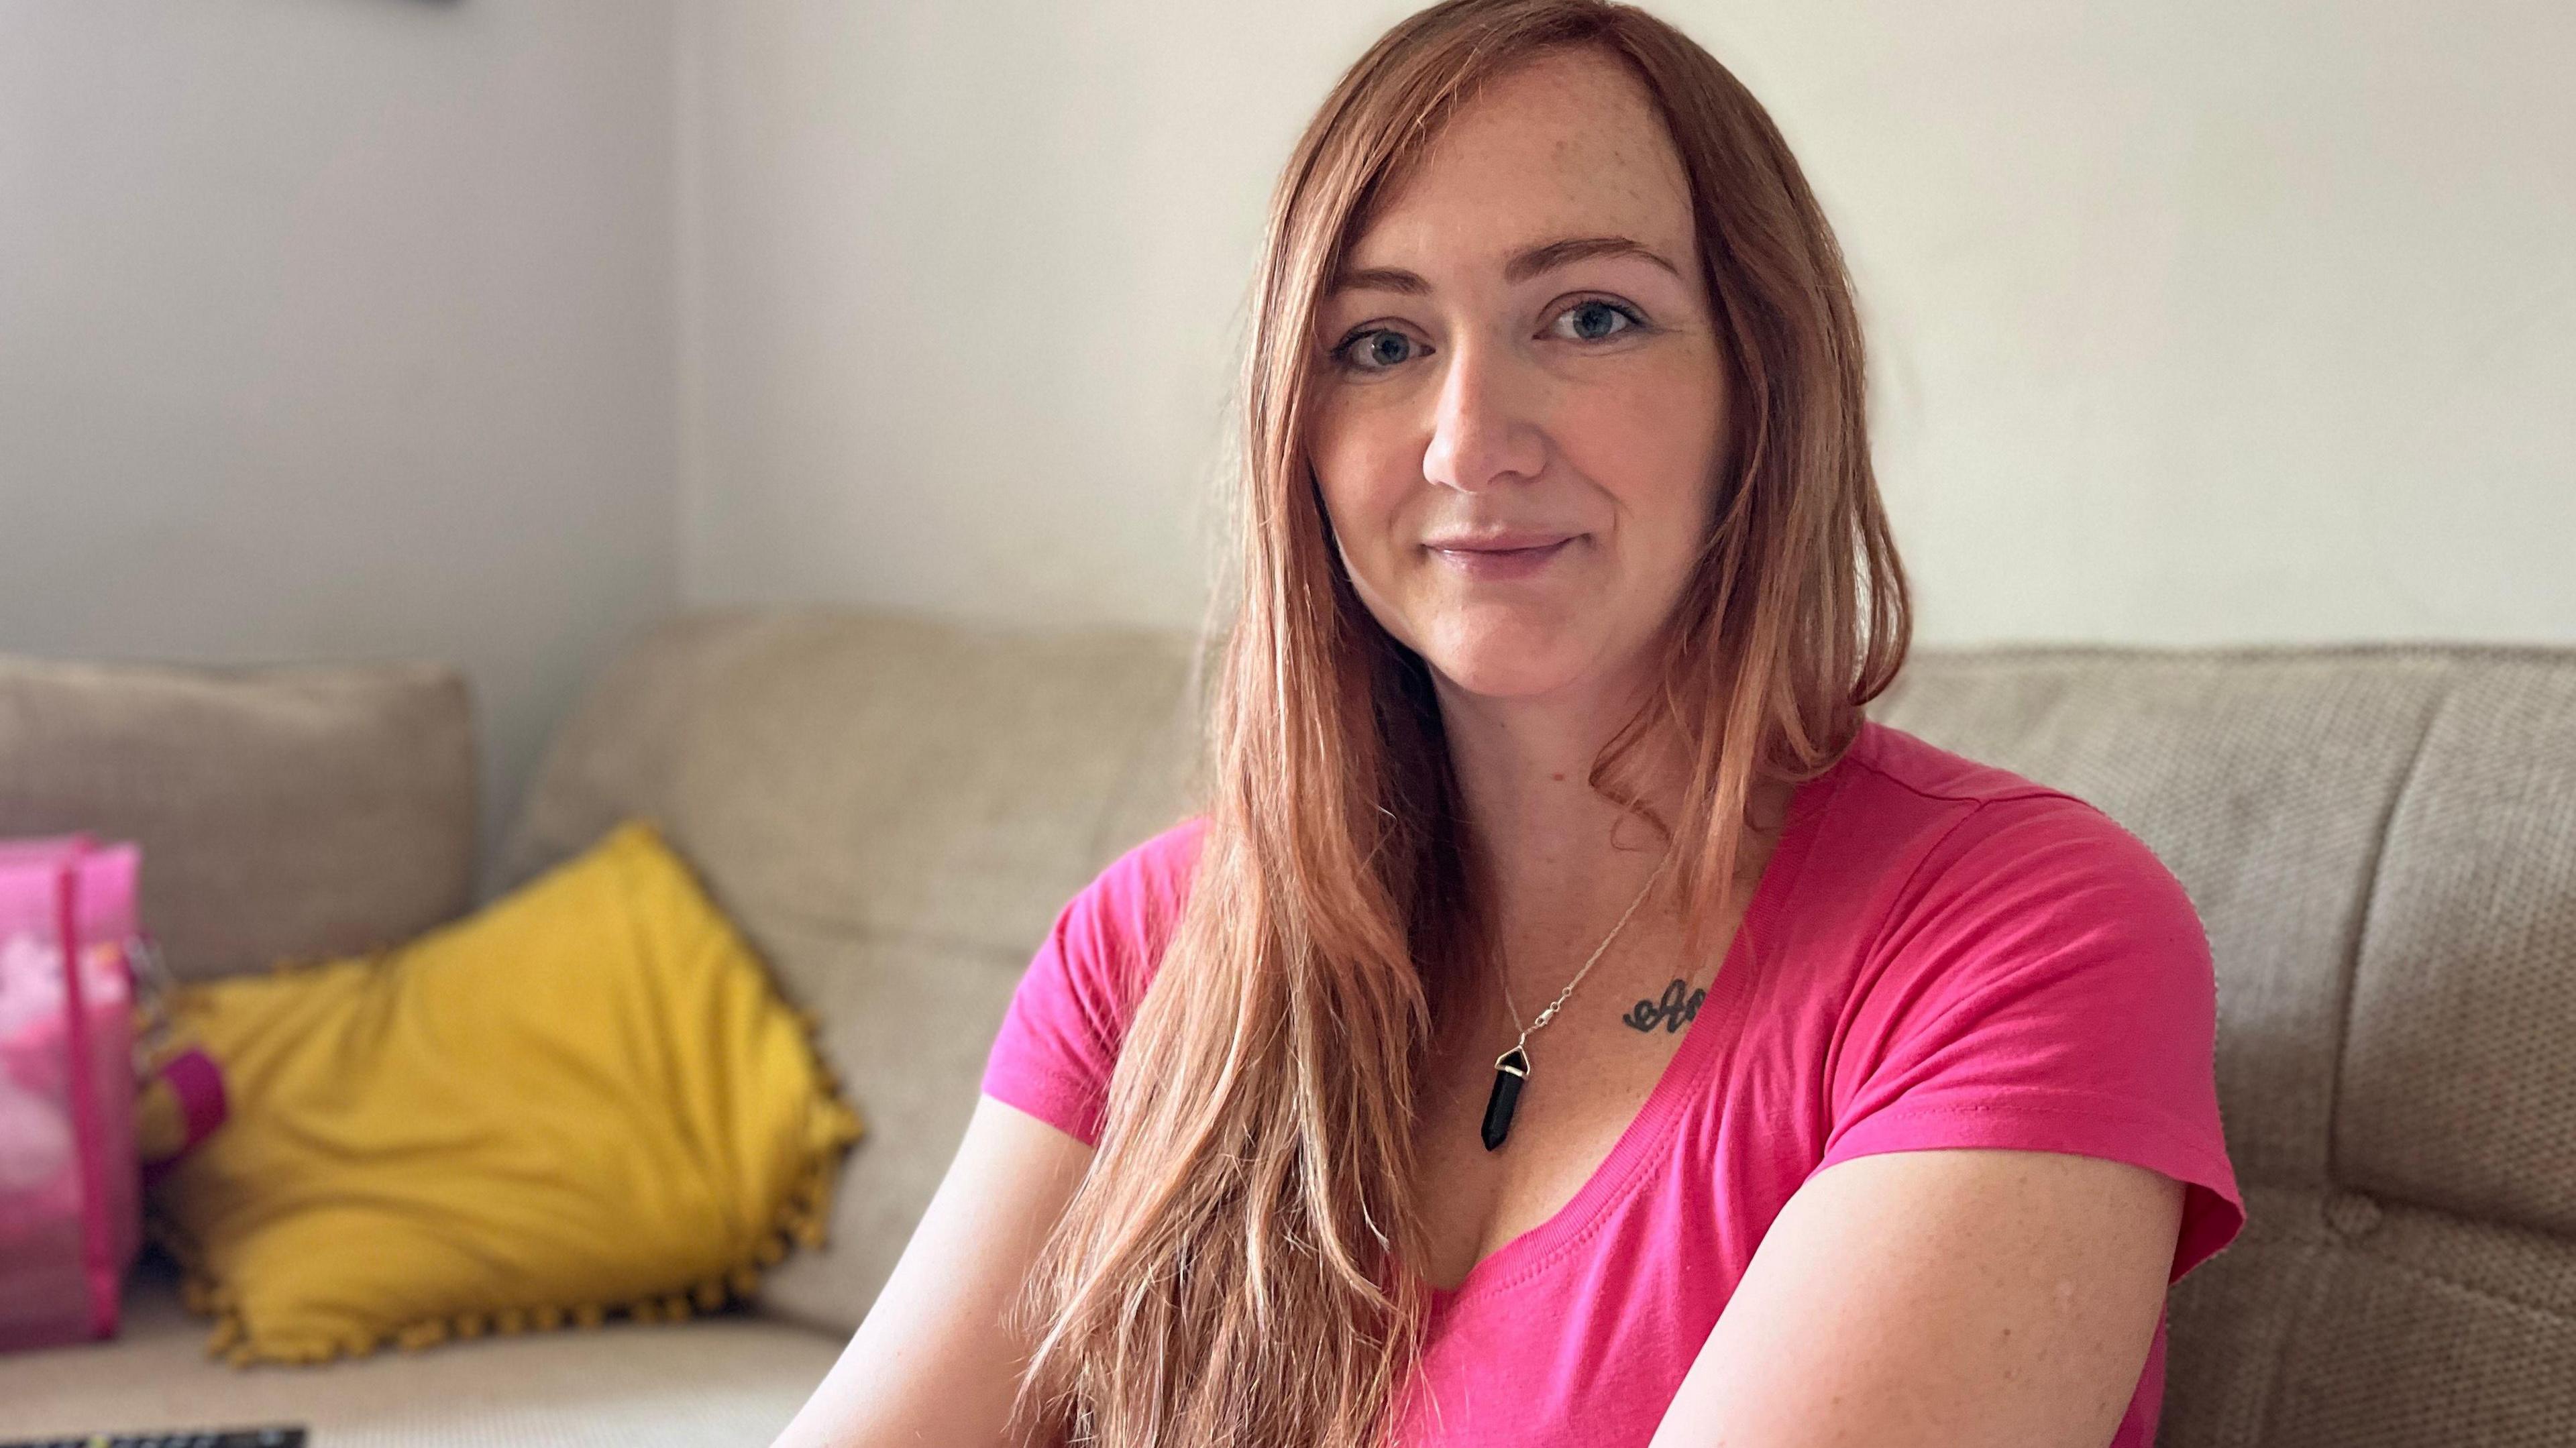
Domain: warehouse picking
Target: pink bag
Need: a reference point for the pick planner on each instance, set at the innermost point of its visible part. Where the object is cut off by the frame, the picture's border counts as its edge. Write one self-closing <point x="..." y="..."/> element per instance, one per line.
<point x="69" y="1215"/>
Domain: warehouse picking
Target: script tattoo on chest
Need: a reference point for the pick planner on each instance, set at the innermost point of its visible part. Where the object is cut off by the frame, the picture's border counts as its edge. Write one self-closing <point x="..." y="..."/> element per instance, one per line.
<point x="1678" y="1006"/>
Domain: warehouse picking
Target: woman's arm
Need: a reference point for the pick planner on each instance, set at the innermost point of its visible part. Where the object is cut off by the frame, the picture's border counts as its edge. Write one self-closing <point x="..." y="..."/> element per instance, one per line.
<point x="1940" y="1297"/>
<point x="935" y="1361"/>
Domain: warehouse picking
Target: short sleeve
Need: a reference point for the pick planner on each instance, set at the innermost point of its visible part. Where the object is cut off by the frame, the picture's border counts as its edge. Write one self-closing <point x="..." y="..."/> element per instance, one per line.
<point x="1060" y="1038"/>
<point x="2042" y="983"/>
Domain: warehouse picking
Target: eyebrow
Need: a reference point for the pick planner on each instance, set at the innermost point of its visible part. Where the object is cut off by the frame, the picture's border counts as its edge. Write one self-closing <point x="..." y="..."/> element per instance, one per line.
<point x="1520" y="268"/>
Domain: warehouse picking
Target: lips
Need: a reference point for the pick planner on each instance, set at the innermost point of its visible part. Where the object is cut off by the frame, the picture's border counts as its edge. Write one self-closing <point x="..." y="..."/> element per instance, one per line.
<point x="1516" y="541"/>
<point x="1500" y="555"/>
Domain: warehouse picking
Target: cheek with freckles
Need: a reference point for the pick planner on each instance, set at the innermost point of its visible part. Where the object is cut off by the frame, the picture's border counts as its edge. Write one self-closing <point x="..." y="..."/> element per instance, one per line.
<point x="1367" y="481"/>
<point x="1648" y="437"/>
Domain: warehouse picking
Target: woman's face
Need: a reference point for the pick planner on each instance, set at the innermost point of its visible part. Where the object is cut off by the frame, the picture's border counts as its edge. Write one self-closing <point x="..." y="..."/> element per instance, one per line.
<point x="1520" y="400"/>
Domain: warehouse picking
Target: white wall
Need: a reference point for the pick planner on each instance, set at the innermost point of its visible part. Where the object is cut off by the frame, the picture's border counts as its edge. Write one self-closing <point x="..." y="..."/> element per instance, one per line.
<point x="961" y="281"/>
<point x="339" y="329"/>
<point x="2193" y="321"/>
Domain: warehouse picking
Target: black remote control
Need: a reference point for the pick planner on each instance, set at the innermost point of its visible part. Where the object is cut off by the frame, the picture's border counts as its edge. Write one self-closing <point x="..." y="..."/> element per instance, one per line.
<point x="225" y="1438"/>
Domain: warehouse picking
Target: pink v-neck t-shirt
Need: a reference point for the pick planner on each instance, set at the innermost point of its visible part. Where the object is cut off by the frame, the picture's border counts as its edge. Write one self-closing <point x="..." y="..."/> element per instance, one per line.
<point x="1939" y="954"/>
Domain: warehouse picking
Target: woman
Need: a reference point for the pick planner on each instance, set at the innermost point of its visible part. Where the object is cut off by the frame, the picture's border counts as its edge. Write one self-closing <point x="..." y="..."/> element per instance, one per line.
<point x="1571" y="1022"/>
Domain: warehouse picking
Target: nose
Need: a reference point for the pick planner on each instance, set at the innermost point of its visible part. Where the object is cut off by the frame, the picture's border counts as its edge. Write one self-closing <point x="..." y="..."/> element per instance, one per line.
<point x="1483" y="429"/>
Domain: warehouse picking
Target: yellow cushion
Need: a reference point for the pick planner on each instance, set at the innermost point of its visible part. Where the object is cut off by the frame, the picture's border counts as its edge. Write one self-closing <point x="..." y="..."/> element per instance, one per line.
<point x="585" y="1099"/>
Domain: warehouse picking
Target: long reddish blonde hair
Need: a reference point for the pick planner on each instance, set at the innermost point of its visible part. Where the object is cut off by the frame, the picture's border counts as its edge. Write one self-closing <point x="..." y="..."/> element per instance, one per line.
<point x="1235" y="1267"/>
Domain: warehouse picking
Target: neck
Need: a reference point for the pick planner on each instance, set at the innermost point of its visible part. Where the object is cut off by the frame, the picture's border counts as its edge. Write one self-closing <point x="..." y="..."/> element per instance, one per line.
<point x="1557" y="857"/>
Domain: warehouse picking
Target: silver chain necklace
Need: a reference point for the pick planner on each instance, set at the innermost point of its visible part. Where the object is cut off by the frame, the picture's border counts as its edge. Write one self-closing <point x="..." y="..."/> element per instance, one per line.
<point x="1512" y="1068"/>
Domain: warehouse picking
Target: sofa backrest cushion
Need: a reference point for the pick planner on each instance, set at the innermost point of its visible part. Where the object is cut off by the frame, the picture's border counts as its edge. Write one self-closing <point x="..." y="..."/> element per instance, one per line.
<point x="301" y="812"/>
<point x="2382" y="844"/>
<point x="893" y="811"/>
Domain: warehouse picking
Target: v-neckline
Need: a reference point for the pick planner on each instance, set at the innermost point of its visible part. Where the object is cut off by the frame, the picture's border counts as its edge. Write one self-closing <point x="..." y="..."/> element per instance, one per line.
<point x="1720" y="1019"/>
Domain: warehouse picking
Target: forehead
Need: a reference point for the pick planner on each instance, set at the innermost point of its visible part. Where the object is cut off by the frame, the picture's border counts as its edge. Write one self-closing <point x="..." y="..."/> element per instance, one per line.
<point x="1566" y="145"/>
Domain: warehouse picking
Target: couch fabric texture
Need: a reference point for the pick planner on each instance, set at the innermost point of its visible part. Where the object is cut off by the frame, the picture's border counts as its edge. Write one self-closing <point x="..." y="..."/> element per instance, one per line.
<point x="2382" y="844"/>
<point x="305" y="812"/>
<point x="2381" y="841"/>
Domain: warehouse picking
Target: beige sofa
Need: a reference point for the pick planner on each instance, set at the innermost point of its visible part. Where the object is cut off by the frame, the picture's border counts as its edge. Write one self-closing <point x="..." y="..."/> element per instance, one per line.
<point x="2381" y="840"/>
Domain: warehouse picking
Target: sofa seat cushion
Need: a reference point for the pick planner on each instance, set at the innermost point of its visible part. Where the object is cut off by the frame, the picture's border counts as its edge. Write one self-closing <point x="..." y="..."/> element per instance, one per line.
<point x="725" y="1379"/>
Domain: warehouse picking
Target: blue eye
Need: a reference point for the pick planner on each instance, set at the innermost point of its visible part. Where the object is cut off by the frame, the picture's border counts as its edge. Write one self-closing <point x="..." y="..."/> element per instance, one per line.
<point x="1376" y="350"/>
<point x="1595" y="320"/>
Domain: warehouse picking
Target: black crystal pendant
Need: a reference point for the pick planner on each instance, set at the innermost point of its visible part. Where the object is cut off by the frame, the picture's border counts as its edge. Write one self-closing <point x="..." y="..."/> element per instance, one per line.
<point x="1510" y="1069"/>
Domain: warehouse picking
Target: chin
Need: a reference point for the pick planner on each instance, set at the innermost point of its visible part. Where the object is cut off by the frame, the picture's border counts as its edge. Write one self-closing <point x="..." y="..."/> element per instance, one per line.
<point x="1509" y="668"/>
